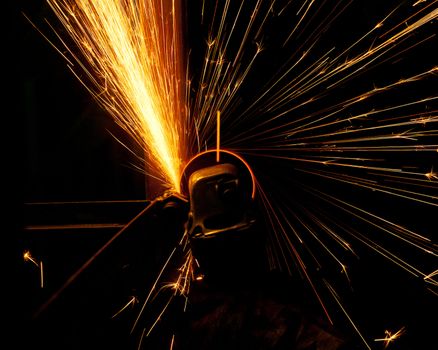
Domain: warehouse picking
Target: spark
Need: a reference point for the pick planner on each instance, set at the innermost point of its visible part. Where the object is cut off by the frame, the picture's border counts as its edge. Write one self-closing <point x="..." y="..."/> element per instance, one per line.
<point x="418" y="2"/>
<point x="390" y="337"/>
<point x="41" y="275"/>
<point x="27" y="256"/>
<point x="140" y="342"/>
<point x="131" y="60"/>
<point x="172" y="342"/>
<point x="180" y="287"/>
<point x="132" y="302"/>
<point x="337" y="299"/>
<point x="429" y="278"/>
<point x="159" y="316"/>
<point x="431" y="175"/>
<point x="218" y="136"/>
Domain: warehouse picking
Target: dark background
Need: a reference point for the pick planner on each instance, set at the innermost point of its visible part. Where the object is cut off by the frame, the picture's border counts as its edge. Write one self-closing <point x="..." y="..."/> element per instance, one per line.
<point x="61" y="151"/>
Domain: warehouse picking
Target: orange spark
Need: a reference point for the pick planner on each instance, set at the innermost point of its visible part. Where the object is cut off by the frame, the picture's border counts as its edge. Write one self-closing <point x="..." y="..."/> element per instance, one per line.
<point x="418" y="2"/>
<point x="430" y="277"/>
<point x="131" y="54"/>
<point x="389" y="337"/>
<point x="28" y="257"/>
<point x="218" y="136"/>
<point x="431" y="175"/>
<point x="132" y="302"/>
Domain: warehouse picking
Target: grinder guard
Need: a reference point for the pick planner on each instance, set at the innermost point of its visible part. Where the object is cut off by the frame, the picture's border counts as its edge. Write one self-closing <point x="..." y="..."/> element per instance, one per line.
<point x="224" y="234"/>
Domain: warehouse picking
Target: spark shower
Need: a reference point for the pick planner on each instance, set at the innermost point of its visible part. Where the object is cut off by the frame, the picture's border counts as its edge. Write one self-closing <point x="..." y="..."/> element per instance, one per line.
<point x="343" y="109"/>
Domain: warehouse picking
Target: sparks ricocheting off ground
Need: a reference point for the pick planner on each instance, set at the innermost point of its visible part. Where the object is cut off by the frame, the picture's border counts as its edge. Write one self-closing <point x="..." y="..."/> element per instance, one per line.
<point x="348" y="124"/>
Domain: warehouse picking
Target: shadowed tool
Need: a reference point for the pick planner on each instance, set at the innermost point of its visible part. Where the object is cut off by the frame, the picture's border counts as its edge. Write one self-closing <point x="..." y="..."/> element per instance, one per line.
<point x="223" y="228"/>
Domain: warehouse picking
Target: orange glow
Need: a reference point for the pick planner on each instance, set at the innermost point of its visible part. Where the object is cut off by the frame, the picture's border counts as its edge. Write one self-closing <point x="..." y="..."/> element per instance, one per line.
<point x="131" y="54"/>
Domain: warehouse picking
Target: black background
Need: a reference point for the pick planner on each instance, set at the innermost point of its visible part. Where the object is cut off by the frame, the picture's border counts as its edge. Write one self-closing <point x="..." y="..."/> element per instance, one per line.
<point x="62" y="151"/>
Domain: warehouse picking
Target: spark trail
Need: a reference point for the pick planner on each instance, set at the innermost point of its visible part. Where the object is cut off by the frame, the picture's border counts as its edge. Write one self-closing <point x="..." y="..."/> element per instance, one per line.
<point x="131" y="60"/>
